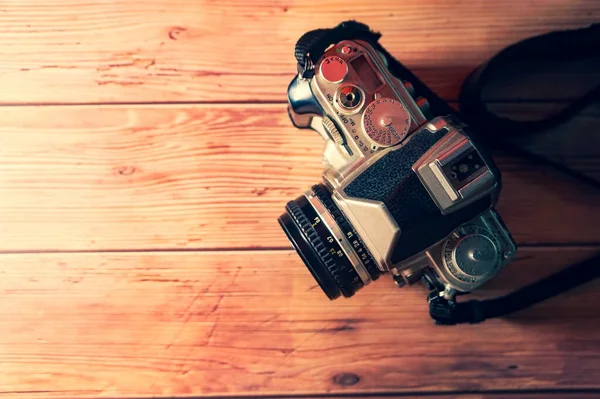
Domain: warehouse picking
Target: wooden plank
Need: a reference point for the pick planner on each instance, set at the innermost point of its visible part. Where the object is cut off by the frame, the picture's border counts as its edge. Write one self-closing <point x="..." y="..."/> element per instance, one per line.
<point x="92" y="178"/>
<point x="558" y="394"/>
<point x="201" y="50"/>
<point x="214" y="323"/>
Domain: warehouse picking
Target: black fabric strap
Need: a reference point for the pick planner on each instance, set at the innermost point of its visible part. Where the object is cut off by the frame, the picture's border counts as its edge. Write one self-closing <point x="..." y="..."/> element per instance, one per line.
<point x="475" y="311"/>
<point x="570" y="45"/>
<point x="494" y="130"/>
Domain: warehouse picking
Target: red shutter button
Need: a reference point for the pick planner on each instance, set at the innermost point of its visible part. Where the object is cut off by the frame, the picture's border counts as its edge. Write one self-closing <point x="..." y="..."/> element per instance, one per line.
<point x="333" y="69"/>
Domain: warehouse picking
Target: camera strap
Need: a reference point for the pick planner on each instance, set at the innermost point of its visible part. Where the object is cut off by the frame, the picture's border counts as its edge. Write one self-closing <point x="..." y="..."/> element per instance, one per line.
<point x="496" y="131"/>
<point x="571" y="46"/>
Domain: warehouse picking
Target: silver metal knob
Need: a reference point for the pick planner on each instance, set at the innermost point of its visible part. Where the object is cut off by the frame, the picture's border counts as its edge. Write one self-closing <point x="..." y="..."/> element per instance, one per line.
<point x="333" y="131"/>
<point x="476" y="255"/>
<point x="471" y="254"/>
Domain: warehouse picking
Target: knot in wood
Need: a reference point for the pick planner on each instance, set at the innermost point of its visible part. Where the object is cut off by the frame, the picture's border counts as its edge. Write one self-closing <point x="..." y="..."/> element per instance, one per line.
<point x="346" y="379"/>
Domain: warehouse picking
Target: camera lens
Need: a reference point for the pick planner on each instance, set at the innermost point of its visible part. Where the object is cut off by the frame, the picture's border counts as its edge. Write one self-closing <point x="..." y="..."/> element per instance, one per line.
<point x="334" y="254"/>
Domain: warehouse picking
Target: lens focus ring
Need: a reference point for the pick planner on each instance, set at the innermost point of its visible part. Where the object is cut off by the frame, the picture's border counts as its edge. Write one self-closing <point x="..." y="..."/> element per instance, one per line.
<point x="320" y="248"/>
<point x="361" y="250"/>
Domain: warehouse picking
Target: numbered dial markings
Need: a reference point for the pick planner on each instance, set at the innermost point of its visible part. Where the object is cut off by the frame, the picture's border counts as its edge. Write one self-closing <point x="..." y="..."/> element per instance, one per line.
<point x="471" y="253"/>
<point x="386" y="121"/>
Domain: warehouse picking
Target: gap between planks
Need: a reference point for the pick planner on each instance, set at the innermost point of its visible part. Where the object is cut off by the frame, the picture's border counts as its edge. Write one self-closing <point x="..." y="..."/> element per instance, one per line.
<point x="487" y="394"/>
<point x="532" y="247"/>
<point x="174" y="104"/>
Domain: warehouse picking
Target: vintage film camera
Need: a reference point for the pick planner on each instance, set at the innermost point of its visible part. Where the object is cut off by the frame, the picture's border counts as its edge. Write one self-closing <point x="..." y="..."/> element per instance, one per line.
<point x="405" y="191"/>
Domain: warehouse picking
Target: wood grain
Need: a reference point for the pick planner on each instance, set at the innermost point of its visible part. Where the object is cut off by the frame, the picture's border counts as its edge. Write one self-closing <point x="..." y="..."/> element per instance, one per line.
<point x="214" y="303"/>
<point x="198" y="323"/>
<point x="553" y="394"/>
<point x="239" y="50"/>
<point x="207" y="177"/>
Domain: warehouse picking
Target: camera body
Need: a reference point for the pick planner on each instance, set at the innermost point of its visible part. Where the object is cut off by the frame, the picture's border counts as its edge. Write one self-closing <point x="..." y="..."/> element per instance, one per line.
<point x="405" y="191"/>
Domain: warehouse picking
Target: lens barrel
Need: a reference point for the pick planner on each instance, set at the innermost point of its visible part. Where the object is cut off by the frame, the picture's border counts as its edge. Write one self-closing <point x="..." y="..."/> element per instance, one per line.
<point x="323" y="252"/>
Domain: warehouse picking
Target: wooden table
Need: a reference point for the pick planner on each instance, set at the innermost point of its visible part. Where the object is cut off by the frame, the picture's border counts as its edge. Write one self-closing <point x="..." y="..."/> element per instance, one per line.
<point x="145" y="154"/>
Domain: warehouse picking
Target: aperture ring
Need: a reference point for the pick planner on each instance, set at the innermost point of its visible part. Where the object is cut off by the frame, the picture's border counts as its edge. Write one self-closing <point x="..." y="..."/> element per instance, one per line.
<point x="358" y="245"/>
<point x="335" y="233"/>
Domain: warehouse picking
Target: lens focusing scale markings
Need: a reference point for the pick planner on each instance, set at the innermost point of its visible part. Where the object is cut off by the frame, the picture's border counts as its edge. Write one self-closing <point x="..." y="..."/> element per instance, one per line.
<point x="330" y="253"/>
<point x="349" y="233"/>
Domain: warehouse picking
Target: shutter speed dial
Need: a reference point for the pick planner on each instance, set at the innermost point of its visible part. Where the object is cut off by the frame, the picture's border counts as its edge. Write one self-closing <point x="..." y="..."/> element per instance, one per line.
<point x="386" y="121"/>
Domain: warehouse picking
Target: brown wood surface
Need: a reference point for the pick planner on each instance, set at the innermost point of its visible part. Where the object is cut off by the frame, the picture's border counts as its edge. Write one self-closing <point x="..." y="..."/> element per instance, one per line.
<point x="69" y="51"/>
<point x="206" y="177"/>
<point x="255" y="322"/>
<point x="139" y="250"/>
